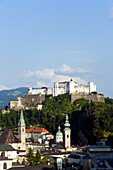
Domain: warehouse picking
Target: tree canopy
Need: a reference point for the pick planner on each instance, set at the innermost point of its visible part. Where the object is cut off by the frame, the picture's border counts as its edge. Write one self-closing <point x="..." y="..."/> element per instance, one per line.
<point x="90" y="121"/>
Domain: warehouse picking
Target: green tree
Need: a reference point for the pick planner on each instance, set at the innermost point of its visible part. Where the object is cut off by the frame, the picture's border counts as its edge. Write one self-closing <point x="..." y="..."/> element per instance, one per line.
<point x="37" y="158"/>
<point x="29" y="157"/>
<point x="32" y="139"/>
<point x="46" y="160"/>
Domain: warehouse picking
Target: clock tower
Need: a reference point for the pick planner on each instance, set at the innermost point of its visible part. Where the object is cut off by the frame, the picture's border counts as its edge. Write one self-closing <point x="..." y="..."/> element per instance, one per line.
<point x="21" y="130"/>
<point x="67" y="133"/>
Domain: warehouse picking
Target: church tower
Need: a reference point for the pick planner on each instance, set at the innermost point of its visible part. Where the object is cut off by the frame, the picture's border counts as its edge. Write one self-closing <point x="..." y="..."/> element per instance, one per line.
<point x="59" y="136"/>
<point x="67" y="133"/>
<point x="21" y="131"/>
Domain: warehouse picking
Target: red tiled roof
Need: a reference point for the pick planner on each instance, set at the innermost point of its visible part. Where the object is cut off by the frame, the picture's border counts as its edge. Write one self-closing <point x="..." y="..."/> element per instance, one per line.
<point x="36" y="129"/>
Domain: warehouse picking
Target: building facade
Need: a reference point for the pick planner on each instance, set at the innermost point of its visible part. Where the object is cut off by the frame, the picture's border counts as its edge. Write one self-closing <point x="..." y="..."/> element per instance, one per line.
<point x="43" y="90"/>
<point x="28" y="101"/>
<point x="71" y="87"/>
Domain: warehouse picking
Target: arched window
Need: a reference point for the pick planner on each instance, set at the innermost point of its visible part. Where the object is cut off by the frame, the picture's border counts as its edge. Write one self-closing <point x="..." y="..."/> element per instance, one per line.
<point x="67" y="136"/>
<point x="4" y="166"/>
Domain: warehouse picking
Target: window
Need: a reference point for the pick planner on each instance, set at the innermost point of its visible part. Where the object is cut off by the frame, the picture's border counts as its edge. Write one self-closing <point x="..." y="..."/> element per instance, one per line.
<point x="67" y="136"/>
<point x="4" y="166"/>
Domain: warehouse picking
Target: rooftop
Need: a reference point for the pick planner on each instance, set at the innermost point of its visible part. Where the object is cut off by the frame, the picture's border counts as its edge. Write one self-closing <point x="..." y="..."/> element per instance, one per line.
<point x="37" y="129"/>
<point x="6" y="147"/>
<point x="8" y="137"/>
<point x="34" y="167"/>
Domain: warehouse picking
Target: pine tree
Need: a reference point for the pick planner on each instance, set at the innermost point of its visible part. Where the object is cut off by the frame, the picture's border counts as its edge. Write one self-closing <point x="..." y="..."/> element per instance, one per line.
<point x="30" y="157"/>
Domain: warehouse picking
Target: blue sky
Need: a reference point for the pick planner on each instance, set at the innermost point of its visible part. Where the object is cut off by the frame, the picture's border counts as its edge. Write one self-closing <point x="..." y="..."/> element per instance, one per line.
<point x="42" y="41"/>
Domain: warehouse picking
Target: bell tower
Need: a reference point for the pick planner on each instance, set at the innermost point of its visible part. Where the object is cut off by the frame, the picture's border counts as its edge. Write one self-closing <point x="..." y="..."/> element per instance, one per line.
<point x="21" y="130"/>
<point x="67" y="133"/>
<point x="59" y="135"/>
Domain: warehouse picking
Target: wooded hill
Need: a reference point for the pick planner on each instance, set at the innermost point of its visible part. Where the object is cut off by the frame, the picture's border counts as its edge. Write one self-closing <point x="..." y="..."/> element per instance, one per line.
<point x="7" y="95"/>
<point x="90" y="121"/>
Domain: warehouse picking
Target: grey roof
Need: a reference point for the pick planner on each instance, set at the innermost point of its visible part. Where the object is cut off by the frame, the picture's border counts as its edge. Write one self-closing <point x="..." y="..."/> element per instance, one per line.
<point x="99" y="146"/>
<point x="2" y="159"/>
<point x="87" y="157"/>
<point x="6" y="147"/>
<point x="74" y="156"/>
<point x="34" y="167"/>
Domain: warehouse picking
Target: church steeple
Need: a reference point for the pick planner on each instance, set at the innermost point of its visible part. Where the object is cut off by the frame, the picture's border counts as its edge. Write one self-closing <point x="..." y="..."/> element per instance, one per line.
<point x="67" y="133"/>
<point x="21" y="130"/>
<point x="21" y="117"/>
<point x="67" y="124"/>
<point x="59" y="135"/>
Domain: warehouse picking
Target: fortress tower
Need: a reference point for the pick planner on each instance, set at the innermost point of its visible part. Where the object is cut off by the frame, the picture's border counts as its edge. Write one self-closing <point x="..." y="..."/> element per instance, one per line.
<point x="21" y="131"/>
<point x="67" y="133"/>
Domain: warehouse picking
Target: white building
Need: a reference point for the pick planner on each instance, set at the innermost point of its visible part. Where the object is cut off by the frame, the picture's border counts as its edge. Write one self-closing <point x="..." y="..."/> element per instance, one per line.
<point x="43" y="90"/>
<point x="71" y="87"/>
<point x="8" y="155"/>
<point x="7" y="151"/>
<point x="5" y="163"/>
<point x="22" y="132"/>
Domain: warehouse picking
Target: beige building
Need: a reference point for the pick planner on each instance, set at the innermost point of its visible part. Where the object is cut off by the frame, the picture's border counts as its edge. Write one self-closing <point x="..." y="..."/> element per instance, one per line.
<point x="67" y="133"/>
<point x="28" y="101"/>
<point x="21" y="131"/>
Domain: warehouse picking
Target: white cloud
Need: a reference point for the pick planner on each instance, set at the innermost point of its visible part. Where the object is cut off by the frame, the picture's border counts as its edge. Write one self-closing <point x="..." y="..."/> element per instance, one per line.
<point x="2" y="87"/>
<point x="83" y="71"/>
<point x="28" y="73"/>
<point x="65" y="69"/>
<point x="40" y="84"/>
<point x="111" y="13"/>
<point x="67" y="78"/>
<point x="47" y="77"/>
<point x="44" y="74"/>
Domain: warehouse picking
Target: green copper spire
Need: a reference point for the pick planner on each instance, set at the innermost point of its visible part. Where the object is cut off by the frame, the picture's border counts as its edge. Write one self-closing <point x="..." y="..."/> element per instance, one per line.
<point x="21" y="116"/>
<point x="67" y="124"/>
<point x="59" y="133"/>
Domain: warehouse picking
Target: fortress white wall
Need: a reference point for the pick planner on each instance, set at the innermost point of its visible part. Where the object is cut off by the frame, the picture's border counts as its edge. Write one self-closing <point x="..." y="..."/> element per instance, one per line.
<point x="42" y="90"/>
<point x="72" y="87"/>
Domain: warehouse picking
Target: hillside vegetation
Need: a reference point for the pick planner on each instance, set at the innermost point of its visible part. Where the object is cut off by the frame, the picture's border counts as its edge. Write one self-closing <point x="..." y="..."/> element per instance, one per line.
<point x="7" y="95"/>
<point x="90" y="121"/>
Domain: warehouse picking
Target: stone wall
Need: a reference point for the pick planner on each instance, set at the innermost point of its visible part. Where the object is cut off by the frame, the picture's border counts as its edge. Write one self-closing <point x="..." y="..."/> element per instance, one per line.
<point x="91" y="97"/>
<point x="33" y="100"/>
<point x="27" y="101"/>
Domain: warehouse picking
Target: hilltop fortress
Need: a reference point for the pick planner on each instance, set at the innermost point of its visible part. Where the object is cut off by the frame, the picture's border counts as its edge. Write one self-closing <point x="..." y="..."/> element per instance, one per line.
<point x="36" y="96"/>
